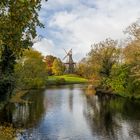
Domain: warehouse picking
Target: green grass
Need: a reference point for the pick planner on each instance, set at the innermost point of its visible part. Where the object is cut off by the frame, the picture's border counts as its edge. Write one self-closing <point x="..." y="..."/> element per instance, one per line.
<point x="65" y="79"/>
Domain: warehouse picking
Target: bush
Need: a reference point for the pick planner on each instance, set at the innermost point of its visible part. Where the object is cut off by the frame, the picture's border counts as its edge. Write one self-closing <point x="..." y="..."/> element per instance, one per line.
<point x="30" y="72"/>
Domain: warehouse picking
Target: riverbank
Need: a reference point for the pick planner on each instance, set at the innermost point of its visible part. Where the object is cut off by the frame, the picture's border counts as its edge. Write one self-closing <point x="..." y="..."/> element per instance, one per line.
<point x="112" y="93"/>
<point x="65" y="79"/>
<point x="18" y="96"/>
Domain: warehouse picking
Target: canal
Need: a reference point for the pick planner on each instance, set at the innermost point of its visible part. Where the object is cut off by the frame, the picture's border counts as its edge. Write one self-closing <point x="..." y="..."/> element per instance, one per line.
<point x="67" y="113"/>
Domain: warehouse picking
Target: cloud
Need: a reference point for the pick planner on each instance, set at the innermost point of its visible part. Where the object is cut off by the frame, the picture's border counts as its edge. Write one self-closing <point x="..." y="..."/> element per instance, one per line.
<point x="59" y="4"/>
<point x="79" y="23"/>
<point x="45" y="46"/>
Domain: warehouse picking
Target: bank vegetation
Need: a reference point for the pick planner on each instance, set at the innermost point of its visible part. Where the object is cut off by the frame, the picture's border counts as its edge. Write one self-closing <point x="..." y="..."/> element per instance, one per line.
<point x="115" y="66"/>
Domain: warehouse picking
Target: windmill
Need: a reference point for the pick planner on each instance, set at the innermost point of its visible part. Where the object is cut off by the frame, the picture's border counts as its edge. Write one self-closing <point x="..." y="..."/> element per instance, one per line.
<point x="69" y="63"/>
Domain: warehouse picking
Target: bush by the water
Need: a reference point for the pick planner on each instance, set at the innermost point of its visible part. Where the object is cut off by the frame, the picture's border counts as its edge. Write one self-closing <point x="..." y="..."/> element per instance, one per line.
<point x="30" y="71"/>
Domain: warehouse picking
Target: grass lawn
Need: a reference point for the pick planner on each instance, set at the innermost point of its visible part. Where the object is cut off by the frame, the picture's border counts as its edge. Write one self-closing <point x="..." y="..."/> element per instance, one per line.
<point x="65" y="79"/>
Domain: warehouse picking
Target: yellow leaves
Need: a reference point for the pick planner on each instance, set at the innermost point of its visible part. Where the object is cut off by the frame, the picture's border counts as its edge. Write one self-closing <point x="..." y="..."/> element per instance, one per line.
<point x="1" y="42"/>
<point x="7" y="132"/>
<point x="132" y="52"/>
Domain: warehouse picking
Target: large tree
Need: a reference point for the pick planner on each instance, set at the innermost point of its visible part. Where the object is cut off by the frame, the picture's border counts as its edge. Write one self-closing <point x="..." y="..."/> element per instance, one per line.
<point x="18" y="22"/>
<point x="103" y="56"/>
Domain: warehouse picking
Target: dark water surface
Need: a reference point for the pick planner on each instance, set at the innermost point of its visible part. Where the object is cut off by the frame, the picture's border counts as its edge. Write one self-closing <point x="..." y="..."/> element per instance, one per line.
<point x="65" y="113"/>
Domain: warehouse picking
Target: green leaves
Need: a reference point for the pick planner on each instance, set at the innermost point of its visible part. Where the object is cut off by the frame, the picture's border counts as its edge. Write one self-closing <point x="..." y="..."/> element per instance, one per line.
<point x="30" y="71"/>
<point x="18" y="22"/>
<point x="118" y="79"/>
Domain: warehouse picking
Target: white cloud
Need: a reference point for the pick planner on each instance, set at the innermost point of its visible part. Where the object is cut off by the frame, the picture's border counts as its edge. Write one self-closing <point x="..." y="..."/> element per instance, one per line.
<point x="45" y="46"/>
<point x="57" y="4"/>
<point x="87" y="22"/>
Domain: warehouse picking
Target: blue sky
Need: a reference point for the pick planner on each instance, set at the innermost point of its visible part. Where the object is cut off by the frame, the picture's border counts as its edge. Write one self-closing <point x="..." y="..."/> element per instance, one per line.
<point x="77" y="24"/>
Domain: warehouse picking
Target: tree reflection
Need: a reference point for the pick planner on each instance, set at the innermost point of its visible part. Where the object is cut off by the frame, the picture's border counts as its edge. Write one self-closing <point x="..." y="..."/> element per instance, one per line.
<point x="24" y="115"/>
<point x="112" y="118"/>
<point x="70" y="101"/>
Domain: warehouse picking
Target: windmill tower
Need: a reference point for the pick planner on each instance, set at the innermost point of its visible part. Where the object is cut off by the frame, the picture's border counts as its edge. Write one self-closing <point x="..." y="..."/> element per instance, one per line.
<point x="69" y="63"/>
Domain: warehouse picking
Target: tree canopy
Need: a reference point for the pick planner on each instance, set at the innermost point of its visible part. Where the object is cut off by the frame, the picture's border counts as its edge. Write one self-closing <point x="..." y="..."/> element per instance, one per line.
<point x="18" y="22"/>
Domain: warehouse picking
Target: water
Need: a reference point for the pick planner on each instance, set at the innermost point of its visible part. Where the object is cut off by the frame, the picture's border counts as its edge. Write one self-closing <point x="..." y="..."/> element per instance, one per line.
<point x="66" y="113"/>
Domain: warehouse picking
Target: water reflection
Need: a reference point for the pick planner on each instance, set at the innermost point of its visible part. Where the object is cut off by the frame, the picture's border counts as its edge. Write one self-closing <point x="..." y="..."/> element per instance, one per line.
<point x="113" y="118"/>
<point x="70" y="101"/>
<point x="73" y="113"/>
<point x="24" y="115"/>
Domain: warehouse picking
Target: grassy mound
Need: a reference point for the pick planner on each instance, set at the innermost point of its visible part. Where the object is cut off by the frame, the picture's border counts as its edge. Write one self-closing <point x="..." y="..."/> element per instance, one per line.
<point x="65" y="79"/>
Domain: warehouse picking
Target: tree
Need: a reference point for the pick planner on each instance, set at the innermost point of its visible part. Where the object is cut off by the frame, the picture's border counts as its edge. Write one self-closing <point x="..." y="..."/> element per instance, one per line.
<point x="49" y="59"/>
<point x="58" y="67"/>
<point x="125" y="77"/>
<point x="30" y="71"/>
<point x="83" y="68"/>
<point x="103" y="56"/>
<point x="134" y="30"/>
<point x="132" y="49"/>
<point x="18" y="21"/>
<point x="132" y="57"/>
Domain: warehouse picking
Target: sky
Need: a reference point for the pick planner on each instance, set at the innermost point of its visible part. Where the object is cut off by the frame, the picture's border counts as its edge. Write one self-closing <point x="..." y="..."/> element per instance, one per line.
<point x="77" y="24"/>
